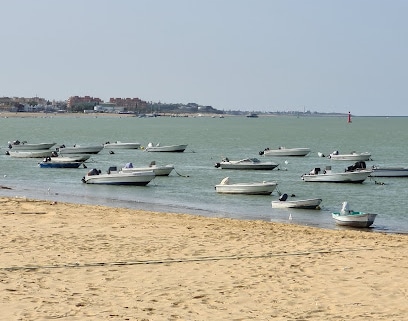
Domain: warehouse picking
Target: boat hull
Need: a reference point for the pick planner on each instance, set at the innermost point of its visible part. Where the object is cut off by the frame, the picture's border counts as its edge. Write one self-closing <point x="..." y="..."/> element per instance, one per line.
<point x="80" y="150"/>
<point x="389" y="172"/>
<point x="265" y="188"/>
<point x="70" y="159"/>
<point x="50" y="164"/>
<point x="31" y="154"/>
<point x="158" y="170"/>
<point x="284" y="152"/>
<point x="121" y="145"/>
<point x="25" y="146"/>
<point x="355" y="219"/>
<point x="346" y="177"/>
<point x="351" y="157"/>
<point x="168" y="149"/>
<point x="312" y="203"/>
<point x="137" y="179"/>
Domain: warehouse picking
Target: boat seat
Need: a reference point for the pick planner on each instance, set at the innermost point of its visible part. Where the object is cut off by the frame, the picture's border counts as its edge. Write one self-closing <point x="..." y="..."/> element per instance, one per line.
<point x="112" y="169"/>
<point x="283" y="197"/>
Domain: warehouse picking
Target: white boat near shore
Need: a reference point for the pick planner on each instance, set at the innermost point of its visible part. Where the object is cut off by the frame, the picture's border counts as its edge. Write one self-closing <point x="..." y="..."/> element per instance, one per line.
<point x="115" y="177"/>
<point x="311" y="203"/>
<point x="256" y="188"/>
<point x="352" y="218"/>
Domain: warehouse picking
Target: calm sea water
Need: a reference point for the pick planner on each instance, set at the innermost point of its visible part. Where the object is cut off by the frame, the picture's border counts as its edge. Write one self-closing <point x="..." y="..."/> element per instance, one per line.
<point x="191" y="188"/>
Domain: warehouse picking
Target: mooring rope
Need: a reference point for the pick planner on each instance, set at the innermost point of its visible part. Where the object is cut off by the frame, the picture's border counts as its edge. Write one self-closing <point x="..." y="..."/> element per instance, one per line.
<point x="181" y="260"/>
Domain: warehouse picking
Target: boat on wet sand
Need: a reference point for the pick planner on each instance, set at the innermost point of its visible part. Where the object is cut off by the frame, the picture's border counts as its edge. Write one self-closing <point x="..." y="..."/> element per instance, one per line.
<point x="347" y="217"/>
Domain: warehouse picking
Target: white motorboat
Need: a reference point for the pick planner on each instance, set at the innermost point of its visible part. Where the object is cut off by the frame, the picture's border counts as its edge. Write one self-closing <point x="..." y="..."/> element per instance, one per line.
<point x="115" y="177"/>
<point x="311" y="203"/>
<point x="347" y="217"/>
<point x="353" y="156"/>
<point x="164" y="170"/>
<point x="259" y="188"/>
<point x="17" y="145"/>
<point x="67" y="159"/>
<point x="30" y="153"/>
<point x="389" y="171"/>
<point x="283" y="151"/>
<point x="316" y="175"/>
<point x="121" y="145"/>
<point x="246" y="163"/>
<point x="168" y="148"/>
<point x="78" y="149"/>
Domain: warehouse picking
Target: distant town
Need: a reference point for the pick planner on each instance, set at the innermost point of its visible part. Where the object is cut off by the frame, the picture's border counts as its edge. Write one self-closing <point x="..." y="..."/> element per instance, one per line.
<point x="132" y="106"/>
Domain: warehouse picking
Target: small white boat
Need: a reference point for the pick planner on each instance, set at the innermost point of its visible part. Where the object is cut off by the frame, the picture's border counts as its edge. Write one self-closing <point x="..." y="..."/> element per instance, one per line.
<point x="283" y="151"/>
<point x="30" y="153"/>
<point x="311" y="203"/>
<point x="261" y="188"/>
<point x="78" y="149"/>
<point x="347" y="217"/>
<point x="17" y="145"/>
<point x="353" y="156"/>
<point x="164" y="170"/>
<point x="246" y="163"/>
<point x="389" y="171"/>
<point x="67" y="159"/>
<point x="169" y="148"/>
<point x="327" y="176"/>
<point x="115" y="177"/>
<point x="121" y="145"/>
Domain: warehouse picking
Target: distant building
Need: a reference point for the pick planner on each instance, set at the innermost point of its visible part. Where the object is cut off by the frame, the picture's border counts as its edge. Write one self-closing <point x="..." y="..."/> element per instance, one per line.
<point x="75" y="100"/>
<point x="130" y="104"/>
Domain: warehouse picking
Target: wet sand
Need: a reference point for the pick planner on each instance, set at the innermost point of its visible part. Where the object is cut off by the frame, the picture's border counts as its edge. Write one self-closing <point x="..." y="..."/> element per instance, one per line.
<point x="79" y="262"/>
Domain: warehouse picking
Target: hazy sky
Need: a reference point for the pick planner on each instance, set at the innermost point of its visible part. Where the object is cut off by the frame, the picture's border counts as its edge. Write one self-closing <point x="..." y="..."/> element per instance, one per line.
<point x="255" y="55"/>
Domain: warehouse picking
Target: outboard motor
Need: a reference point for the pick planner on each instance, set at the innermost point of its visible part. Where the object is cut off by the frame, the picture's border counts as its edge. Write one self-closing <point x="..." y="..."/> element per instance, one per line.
<point x="217" y="165"/>
<point x="283" y="197"/>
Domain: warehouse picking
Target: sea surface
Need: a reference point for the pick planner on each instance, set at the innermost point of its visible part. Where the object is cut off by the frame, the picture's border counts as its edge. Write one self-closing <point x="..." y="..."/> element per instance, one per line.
<point x="190" y="188"/>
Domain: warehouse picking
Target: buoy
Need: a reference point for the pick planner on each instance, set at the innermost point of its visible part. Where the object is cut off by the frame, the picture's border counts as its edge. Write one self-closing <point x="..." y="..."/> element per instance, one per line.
<point x="349" y="118"/>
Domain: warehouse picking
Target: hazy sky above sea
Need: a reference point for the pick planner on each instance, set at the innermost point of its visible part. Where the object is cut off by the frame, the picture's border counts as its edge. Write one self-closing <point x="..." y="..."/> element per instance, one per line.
<point x="254" y="55"/>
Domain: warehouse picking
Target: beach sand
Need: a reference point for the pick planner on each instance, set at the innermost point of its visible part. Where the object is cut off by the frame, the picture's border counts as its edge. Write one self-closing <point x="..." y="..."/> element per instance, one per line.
<point x="78" y="262"/>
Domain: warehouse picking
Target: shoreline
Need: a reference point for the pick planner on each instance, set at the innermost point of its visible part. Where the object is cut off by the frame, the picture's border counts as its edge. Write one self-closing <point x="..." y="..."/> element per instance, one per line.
<point x="87" y="262"/>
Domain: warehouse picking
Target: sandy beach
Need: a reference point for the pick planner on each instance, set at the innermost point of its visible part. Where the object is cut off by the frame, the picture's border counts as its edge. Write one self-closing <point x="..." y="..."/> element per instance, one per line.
<point x="79" y="262"/>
